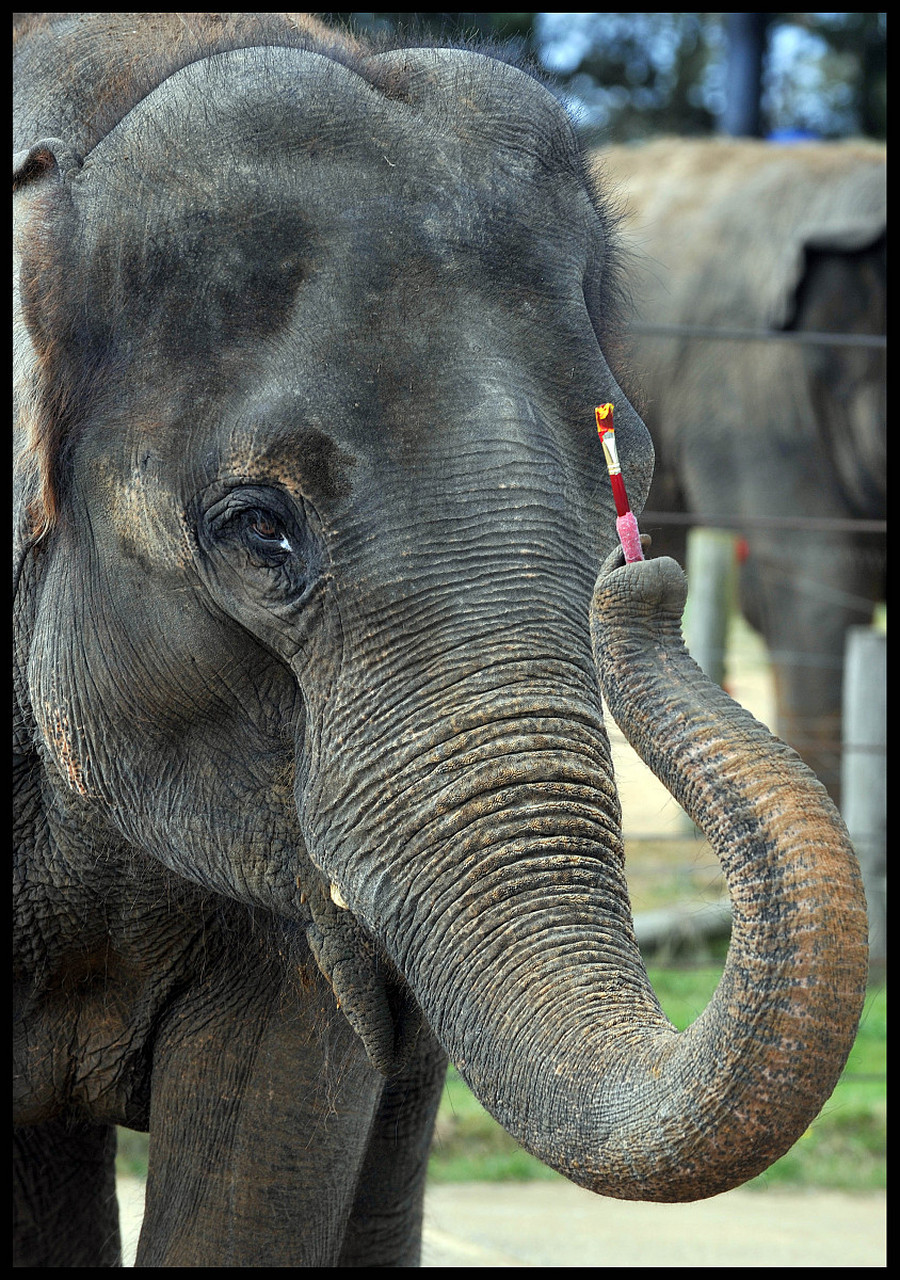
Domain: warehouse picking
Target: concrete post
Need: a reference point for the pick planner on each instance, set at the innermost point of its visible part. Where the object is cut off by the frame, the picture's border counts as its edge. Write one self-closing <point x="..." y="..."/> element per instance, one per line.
<point x="712" y="578"/>
<point x="863" y="771"/>
<point x="712" y="588"/>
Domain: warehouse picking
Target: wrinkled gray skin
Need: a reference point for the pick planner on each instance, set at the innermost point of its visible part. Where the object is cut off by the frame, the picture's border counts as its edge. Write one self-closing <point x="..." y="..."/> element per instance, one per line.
<point x="744" y="234"/>
<point x="313" y="784"/>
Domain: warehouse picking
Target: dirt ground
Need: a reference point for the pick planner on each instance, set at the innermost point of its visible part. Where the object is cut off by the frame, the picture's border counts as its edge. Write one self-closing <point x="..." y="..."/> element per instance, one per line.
<point x="539" y="1224"/>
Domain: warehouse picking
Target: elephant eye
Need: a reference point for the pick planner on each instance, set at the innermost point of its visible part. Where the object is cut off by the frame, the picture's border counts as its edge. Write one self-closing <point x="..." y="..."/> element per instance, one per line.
<point x="262" y="528"/>
<point x="267" y="532"/>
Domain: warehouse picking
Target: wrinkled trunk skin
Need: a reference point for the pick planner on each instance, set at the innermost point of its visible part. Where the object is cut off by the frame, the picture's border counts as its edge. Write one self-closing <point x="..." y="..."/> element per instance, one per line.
<point x="508" y="912"/>
<point x="760" y="1062"/>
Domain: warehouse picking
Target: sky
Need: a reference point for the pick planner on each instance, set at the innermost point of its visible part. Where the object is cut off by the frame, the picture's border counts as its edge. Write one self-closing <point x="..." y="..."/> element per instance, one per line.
<point x="802" y="85"/>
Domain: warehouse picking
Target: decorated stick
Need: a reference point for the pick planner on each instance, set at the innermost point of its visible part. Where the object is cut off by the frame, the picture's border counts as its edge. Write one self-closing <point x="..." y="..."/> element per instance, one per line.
<point x="626" y="524"/>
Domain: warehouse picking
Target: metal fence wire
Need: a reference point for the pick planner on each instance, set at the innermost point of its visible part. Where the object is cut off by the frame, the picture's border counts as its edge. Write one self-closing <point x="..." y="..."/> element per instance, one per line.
<point x="804" y="337"/>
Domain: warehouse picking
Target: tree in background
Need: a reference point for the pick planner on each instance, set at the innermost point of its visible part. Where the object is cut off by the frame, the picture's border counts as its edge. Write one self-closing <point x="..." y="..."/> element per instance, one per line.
<point x="632" y="75"/>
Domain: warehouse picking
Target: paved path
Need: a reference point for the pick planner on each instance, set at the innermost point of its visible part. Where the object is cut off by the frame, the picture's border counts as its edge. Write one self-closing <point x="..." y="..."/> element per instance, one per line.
<point x="539" y="1224"/>
<point x="558" y="1225"/>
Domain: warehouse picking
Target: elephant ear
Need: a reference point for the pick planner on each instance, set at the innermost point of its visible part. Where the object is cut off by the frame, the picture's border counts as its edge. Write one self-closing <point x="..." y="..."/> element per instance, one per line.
<point x="49" y="161"/>
<point x="846" y="215"/>
<point x="852" y="237"/>
<point x="42" y="205"/>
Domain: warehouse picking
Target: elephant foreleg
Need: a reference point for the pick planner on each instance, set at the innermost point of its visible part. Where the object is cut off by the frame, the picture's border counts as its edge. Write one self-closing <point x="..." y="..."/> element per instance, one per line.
<point x="262" y="1104"/>
<point x="385" y="1227"/>
<point x="64" y="1195"/>
<point x="803" y="599"/>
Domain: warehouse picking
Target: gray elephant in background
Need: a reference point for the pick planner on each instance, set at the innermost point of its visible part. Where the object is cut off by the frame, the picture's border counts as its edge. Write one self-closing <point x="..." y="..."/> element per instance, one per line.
<point x="317" y="589"/>
<point x="753" y="235"/>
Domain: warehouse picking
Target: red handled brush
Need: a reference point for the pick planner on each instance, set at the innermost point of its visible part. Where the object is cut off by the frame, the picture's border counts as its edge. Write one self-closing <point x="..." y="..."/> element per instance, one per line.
<point x="626" y="524"/>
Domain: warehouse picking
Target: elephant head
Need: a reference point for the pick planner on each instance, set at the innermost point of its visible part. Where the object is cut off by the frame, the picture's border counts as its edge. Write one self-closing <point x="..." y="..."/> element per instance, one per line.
<point x="310" y="363"/>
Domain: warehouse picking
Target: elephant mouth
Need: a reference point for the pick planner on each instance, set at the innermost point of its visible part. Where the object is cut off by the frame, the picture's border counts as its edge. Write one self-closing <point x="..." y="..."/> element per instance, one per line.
<point x="368" y="988"/>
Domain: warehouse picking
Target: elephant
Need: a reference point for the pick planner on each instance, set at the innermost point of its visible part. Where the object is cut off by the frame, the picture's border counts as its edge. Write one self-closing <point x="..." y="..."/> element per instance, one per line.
<point x="316" y="592"/>
<point x="782" y="239"/>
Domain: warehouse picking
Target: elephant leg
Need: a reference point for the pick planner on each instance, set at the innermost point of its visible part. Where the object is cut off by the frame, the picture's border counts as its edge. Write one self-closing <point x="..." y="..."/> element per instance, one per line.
<point x="802" y="597"/>
<point x="385" y="1227"/>
<point x="64" y="1195"/>
<point x="263" y="1100"/>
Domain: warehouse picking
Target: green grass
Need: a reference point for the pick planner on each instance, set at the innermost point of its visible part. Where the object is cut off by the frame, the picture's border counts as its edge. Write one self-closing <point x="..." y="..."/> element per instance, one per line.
<point x="131" y="1154"/>
<point x="844" y="1148"/>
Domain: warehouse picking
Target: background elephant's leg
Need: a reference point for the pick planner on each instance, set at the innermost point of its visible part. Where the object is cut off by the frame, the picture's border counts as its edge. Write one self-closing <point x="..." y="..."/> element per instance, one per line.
<point x="263" y="1100"/>
<point x="64" y="1195"/>
<point x="385" y="1227"/>
<point x="802" y="595"/>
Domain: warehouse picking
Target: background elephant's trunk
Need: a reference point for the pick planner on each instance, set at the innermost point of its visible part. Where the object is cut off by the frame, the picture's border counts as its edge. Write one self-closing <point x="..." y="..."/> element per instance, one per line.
<point x="506" y="909"/>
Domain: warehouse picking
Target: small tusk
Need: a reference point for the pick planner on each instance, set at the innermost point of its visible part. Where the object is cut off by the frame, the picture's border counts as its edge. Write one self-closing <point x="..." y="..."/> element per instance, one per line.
<point x="338" y="898"/>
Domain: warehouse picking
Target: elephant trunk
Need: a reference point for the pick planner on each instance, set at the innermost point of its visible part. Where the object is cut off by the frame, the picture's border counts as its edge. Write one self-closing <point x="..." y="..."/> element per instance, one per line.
<point x="508" y="913"/>
<point x="745" y="1080"/>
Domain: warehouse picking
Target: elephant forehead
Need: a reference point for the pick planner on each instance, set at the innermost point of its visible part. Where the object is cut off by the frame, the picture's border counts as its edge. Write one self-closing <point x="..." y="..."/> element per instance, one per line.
<point x="270" y="219"/>
<point x="273" y="200"/>
<point x="249" y="166"/>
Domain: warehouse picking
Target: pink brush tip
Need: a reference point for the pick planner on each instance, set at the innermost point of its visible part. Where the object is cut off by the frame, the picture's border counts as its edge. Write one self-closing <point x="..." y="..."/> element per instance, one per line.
<point x="630" y="537"/>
